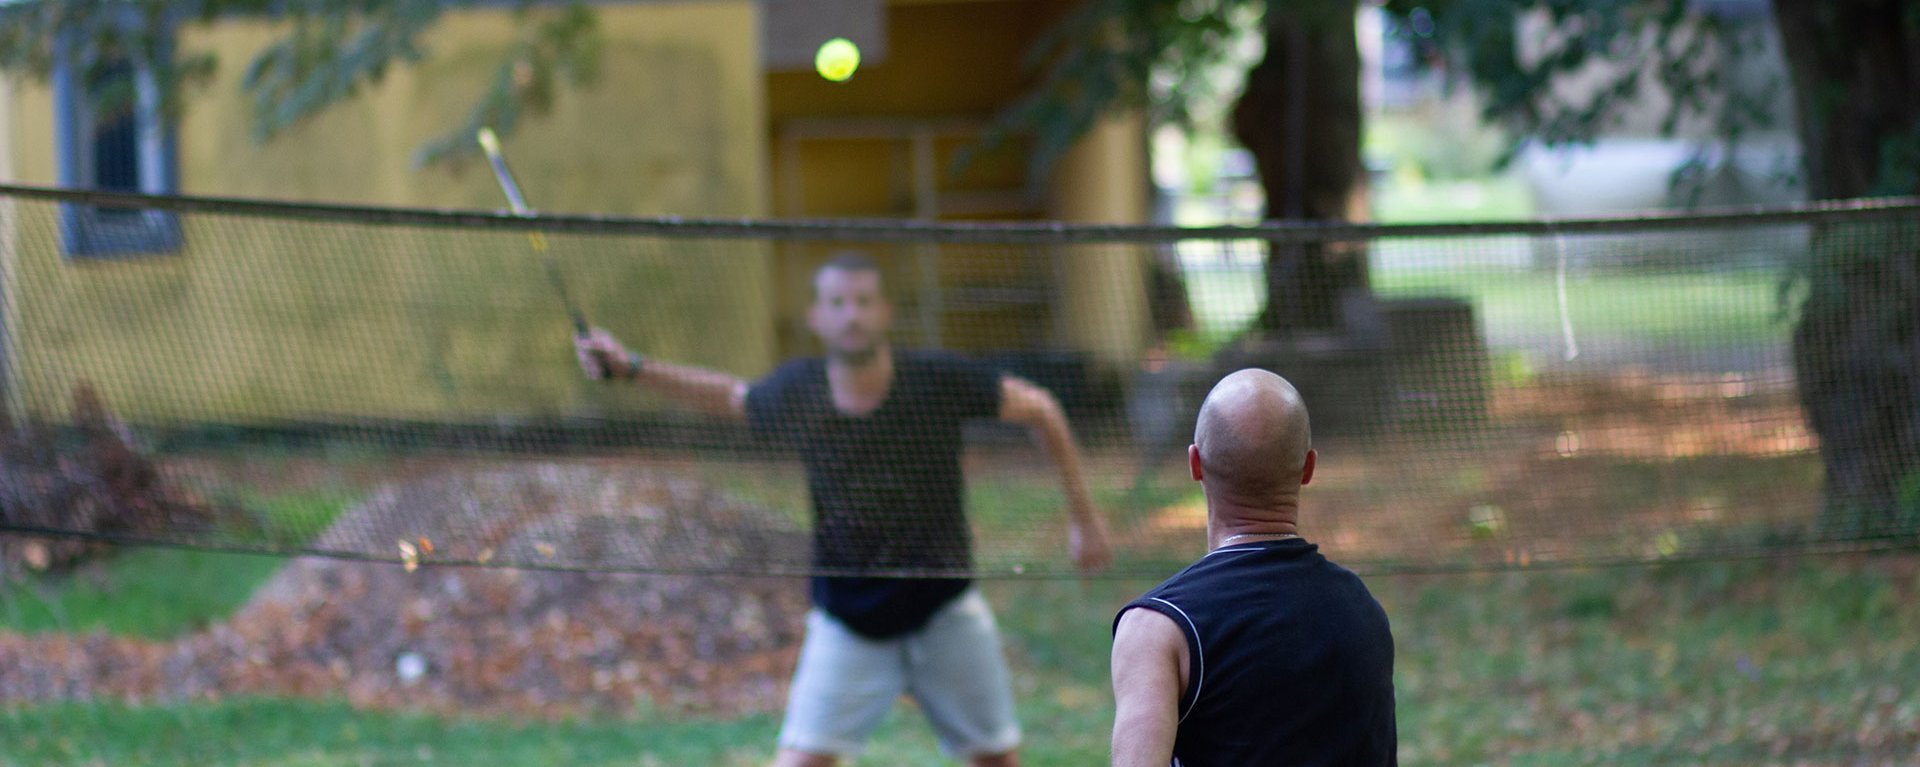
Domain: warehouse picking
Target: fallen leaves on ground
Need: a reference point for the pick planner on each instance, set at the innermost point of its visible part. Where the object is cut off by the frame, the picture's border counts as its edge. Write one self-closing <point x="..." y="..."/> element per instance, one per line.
<point x="483" y="640"/>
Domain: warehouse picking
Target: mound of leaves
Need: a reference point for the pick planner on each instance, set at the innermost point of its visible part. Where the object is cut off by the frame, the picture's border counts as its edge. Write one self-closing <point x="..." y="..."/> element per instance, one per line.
<point x="470" y="639"/>
<point x="87" y="483"/>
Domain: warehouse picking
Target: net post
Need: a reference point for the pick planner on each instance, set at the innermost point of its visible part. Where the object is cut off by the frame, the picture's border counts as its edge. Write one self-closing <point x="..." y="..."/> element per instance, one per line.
<point x="12" y="412"/>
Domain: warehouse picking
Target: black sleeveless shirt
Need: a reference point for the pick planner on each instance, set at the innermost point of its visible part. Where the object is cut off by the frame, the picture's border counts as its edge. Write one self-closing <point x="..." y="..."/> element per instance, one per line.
<point x="1290" y="660"/>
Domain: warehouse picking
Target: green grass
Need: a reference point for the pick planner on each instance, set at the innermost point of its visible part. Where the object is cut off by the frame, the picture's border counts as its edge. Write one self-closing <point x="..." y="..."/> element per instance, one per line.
<point x="1494" y="198"/>
<point x="160" y="593"/>
<point x="1795" y="661"/>
<point x="292" y="519"/>
<point x="1717" y="663"/>
<point x="1758" y="662"/>
<point x="152" y="593"/>
<point x="1700" y="309"/>
<point x="287" y="732"/>
<point x="1024" y="520"/>
<point x="1016" y="503"/>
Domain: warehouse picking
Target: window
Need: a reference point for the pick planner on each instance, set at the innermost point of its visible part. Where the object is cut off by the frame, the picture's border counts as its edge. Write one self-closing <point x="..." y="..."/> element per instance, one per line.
<point x="111" y="135"/>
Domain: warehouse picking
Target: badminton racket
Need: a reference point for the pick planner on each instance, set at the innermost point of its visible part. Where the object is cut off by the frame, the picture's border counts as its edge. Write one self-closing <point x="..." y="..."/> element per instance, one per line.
<point x="490" y="144"/>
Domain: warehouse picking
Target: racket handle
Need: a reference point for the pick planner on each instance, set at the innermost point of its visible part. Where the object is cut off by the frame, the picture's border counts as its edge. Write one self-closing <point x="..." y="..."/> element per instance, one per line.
<point x="603" y="366"/>
<point x="602" y="362"/>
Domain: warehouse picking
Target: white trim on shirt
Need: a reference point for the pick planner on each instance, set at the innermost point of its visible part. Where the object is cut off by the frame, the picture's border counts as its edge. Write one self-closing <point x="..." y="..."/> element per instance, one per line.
<point x="1199" y="655"/>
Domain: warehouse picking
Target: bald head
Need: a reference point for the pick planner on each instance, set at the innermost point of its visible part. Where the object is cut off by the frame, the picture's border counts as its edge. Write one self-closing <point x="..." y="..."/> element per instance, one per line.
<point x="1252" y="434"/>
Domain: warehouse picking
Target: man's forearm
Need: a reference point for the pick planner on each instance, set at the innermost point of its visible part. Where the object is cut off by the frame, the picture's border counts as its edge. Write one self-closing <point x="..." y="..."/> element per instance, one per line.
<point x="708" y="391"/>
<point x="1056" y="438"/>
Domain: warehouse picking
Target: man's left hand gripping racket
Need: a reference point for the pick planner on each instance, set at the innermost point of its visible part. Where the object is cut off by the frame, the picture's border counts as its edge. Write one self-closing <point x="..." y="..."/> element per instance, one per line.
<point x="490" y="144"/>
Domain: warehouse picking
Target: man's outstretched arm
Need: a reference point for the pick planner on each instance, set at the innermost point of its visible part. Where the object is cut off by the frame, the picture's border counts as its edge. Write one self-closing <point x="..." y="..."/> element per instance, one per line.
<point x="1031" y="406"/>
<point x="1149" y="674"/>
<point x="708" y="391"/>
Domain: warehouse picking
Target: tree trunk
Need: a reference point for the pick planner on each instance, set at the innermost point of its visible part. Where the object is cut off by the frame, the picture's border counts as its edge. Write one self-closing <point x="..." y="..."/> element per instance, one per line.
<point x="1856" y="349"/>
<point x="1299" y="116"/>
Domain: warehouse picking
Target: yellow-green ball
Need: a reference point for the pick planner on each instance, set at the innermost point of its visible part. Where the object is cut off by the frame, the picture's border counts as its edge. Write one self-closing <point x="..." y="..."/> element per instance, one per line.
<point x="836" y="59"/>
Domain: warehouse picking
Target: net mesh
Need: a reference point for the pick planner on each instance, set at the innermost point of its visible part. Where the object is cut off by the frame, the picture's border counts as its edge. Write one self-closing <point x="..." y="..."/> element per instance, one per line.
<point x="399" y="385"/>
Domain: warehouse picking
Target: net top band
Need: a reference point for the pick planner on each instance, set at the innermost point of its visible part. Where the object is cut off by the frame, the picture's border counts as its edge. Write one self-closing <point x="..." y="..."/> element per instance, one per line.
<point x="1008" y="232"/>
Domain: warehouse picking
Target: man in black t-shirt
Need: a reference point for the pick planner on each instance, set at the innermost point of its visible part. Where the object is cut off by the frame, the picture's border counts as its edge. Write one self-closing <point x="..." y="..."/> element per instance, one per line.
<point x="1263" y="652"/>
<point x="879" y="432"/>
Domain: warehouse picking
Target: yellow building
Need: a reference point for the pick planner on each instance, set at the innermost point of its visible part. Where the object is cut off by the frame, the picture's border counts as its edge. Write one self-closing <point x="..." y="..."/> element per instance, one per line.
<point x="702" y="108"/>
<point x="883" y="144"/>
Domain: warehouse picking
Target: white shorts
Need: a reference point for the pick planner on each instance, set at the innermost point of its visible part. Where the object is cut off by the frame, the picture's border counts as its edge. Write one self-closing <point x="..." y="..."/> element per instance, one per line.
<point x="953" y="667"/>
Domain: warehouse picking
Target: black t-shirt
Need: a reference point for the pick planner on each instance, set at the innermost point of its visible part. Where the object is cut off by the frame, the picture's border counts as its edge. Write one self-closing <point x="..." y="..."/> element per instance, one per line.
<point x="887" y="488"/>
<point x="1290" y="660"/>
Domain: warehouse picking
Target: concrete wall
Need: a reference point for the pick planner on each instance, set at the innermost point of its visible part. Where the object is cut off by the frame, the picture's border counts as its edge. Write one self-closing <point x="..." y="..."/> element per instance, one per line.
<point x="260" y="320"/>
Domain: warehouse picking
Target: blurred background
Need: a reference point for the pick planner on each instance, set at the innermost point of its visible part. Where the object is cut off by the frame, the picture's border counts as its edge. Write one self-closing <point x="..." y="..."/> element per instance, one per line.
<point x="1605" y="313"/>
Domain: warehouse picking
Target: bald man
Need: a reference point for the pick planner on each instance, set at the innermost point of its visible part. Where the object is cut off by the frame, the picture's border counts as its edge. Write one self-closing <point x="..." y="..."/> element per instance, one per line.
<point x="1263" y="652"/>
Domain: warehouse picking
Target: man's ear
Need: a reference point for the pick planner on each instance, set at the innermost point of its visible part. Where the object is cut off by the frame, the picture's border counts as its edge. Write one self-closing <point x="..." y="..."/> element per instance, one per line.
<point x="1193" y="462"/>
<point x="1306" y="474"/>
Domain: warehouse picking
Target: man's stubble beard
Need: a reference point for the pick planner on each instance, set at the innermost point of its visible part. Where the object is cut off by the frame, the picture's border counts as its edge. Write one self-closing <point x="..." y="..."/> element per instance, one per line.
<point x="857" y="357"/>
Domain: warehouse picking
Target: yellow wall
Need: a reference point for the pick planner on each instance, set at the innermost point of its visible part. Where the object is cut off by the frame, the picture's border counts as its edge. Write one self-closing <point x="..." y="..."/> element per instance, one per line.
<point x="257" y="319"/>
<point x="1103" y="297"/>
<point x="254" y="321"/>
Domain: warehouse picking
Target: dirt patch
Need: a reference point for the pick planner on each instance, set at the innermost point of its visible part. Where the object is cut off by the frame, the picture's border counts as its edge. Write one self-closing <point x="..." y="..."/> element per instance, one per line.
<point x="1639" y="414"/>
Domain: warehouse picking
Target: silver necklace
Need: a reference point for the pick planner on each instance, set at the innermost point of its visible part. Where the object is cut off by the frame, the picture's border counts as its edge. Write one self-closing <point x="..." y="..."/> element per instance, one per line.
<point x="1238" y="536"/>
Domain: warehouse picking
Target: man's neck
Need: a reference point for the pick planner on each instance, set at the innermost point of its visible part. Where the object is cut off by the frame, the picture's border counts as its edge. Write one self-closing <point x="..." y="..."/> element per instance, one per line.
<point x="859" y="387"/>
<point x="1234" y="520"/>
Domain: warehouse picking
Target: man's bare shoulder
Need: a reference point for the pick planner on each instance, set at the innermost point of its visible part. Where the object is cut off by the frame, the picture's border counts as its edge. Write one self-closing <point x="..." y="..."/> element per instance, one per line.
<point x="1141" y="624"/>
